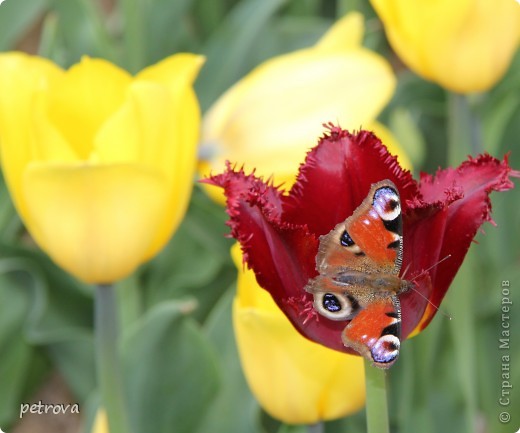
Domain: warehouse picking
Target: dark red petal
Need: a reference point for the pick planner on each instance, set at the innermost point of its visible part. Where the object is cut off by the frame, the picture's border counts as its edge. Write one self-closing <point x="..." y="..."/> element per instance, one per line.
<point x="337" y="176"/>
<point x="279" y="233"/>
<point x="454" y="204"/>
<point x="282" y="255"/>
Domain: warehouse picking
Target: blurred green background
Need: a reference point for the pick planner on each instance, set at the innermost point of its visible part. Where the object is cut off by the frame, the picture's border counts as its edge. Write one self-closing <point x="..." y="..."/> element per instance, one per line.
<point x="175" y="310"/>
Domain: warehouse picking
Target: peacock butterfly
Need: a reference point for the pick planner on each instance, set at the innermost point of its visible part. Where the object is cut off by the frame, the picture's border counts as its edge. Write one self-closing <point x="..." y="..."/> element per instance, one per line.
<point x="358" y="264"/>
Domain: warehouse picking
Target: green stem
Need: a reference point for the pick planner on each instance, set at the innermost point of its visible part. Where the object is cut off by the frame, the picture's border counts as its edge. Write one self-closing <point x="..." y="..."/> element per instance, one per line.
<point x="134" y="34"/>
<point x="107" y="359"/>
<point x="345" y="6"/>
<point x="319" y="427"/>
<point x="464" y="129"/>
<point x="463" y="138"/>
<point x="101" y="33"/>
<point x="376" y="403"/>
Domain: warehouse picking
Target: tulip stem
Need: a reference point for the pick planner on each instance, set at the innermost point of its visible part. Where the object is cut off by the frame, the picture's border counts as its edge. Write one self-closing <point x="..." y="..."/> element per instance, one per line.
<point x="319" y="427"/>
<point x="107" y="359"/>
<point x="376" y="401"/>
<point x="463" y="138"/>
<point x="134" y="34"/>
<point x="463" y="129"/>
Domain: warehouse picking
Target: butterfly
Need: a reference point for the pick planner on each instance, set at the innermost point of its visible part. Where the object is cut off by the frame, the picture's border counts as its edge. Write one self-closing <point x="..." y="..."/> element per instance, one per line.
<point x="359" y="263"/>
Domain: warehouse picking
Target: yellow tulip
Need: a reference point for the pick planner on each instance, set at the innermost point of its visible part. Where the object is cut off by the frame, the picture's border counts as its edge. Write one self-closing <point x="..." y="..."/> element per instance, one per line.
<point x="99" y="163"/>
<point x="100" y="422"/>
<point x="294" y="380"/>
<point x="273" y="116"/>
<point x="464" y="45"/>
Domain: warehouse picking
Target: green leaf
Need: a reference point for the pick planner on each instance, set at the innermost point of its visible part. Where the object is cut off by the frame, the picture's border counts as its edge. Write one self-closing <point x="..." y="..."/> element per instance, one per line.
<point x="59" y="316"/>
<point x="460" y="299"/>
<point x="16" y="352"/>
<point x="9" y="220"/>
<point x="498" y="116"/>
<point x="80" y="30"/>
<point x="196" y="262"/>
<point x="229" y="48"/>
<point x="286" y="428"/>
<point x="169" y="371"/>
<point x="166" y="28"/>
<point x="16" y="18"/>
<point x="235" y="409"/>
<point x="409" y="136"/>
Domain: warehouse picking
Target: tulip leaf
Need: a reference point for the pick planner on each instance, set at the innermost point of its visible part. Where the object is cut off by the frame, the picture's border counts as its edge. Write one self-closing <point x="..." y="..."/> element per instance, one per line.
<point x="16" y="352"/>
<point x="304" y="7"/>
<point x="9" y="220"/>
<point x="196" y="262"/>
<point x="286" y="428"/>
<point x="58" y="317"/>
<point x="499" y="116"/>
<point x="166" y="28"/>
<point x="15" y="18"/>
<point x="234" y="396"/>
<point x="169" y="370"/>
<point x="77" y="36"/>
<point x="408" y="135"/>
<point x="460" y="300"/>
<point x="231" y="46"/>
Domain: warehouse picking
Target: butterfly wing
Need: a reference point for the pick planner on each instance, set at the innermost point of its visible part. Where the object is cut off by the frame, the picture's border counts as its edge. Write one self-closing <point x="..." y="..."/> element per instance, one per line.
<point x="370" y="240"/>
<point x="359" y="252"/>
<point x="358" y="264"/>
<point x="375" y="332"/>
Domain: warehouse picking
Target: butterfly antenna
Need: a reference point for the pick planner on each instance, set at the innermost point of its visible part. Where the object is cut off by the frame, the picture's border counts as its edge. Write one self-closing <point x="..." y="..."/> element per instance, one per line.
<point x="431" y="267"/>
<point x="431" y="303"/>
<point x="424" y="297"/>
<point x="406" y="271"/>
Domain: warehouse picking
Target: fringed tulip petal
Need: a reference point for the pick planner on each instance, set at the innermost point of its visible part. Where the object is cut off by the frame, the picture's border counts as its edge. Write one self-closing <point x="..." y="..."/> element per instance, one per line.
<point x="279" y="233"/>
<point x="454" y="205"/>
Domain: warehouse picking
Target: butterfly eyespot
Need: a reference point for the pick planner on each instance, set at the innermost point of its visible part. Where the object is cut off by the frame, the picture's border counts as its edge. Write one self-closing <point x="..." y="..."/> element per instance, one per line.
<point x="334" y="306"/>
<point x="386" y="349"/>
<point x="331" y="303"/>
<point x="386" y="203"/>
<point x="346" y="240"/>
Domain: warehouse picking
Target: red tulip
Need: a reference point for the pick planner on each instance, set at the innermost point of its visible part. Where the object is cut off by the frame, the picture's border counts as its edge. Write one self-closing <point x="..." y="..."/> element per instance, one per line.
<point x="279" y="232"/>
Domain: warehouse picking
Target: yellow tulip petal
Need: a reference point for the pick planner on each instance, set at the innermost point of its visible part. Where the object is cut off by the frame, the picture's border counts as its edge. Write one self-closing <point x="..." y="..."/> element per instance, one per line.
<point x="295" y="380"/>
<point x="180" y="161"/>
<point x="391" y="143"/>
<point x="160" y="132"/>
<point x="88" y="94"/>
<point x="465" y="46"/>
<point x="174" y="72"/>
<point x="483" y="48"/>
<point x="47" y="144"/>
<point x="275" y="115"/>
<point x="21" y="77"/>
<point x="141" y="130"/>
<point x="346" y="33"/>
<point x="96" y="222"/>
<point x="100" y="422"/>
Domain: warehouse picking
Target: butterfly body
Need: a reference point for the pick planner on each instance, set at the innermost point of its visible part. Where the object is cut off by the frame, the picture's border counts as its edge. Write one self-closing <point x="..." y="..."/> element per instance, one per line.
<point x="359" y="263"/>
